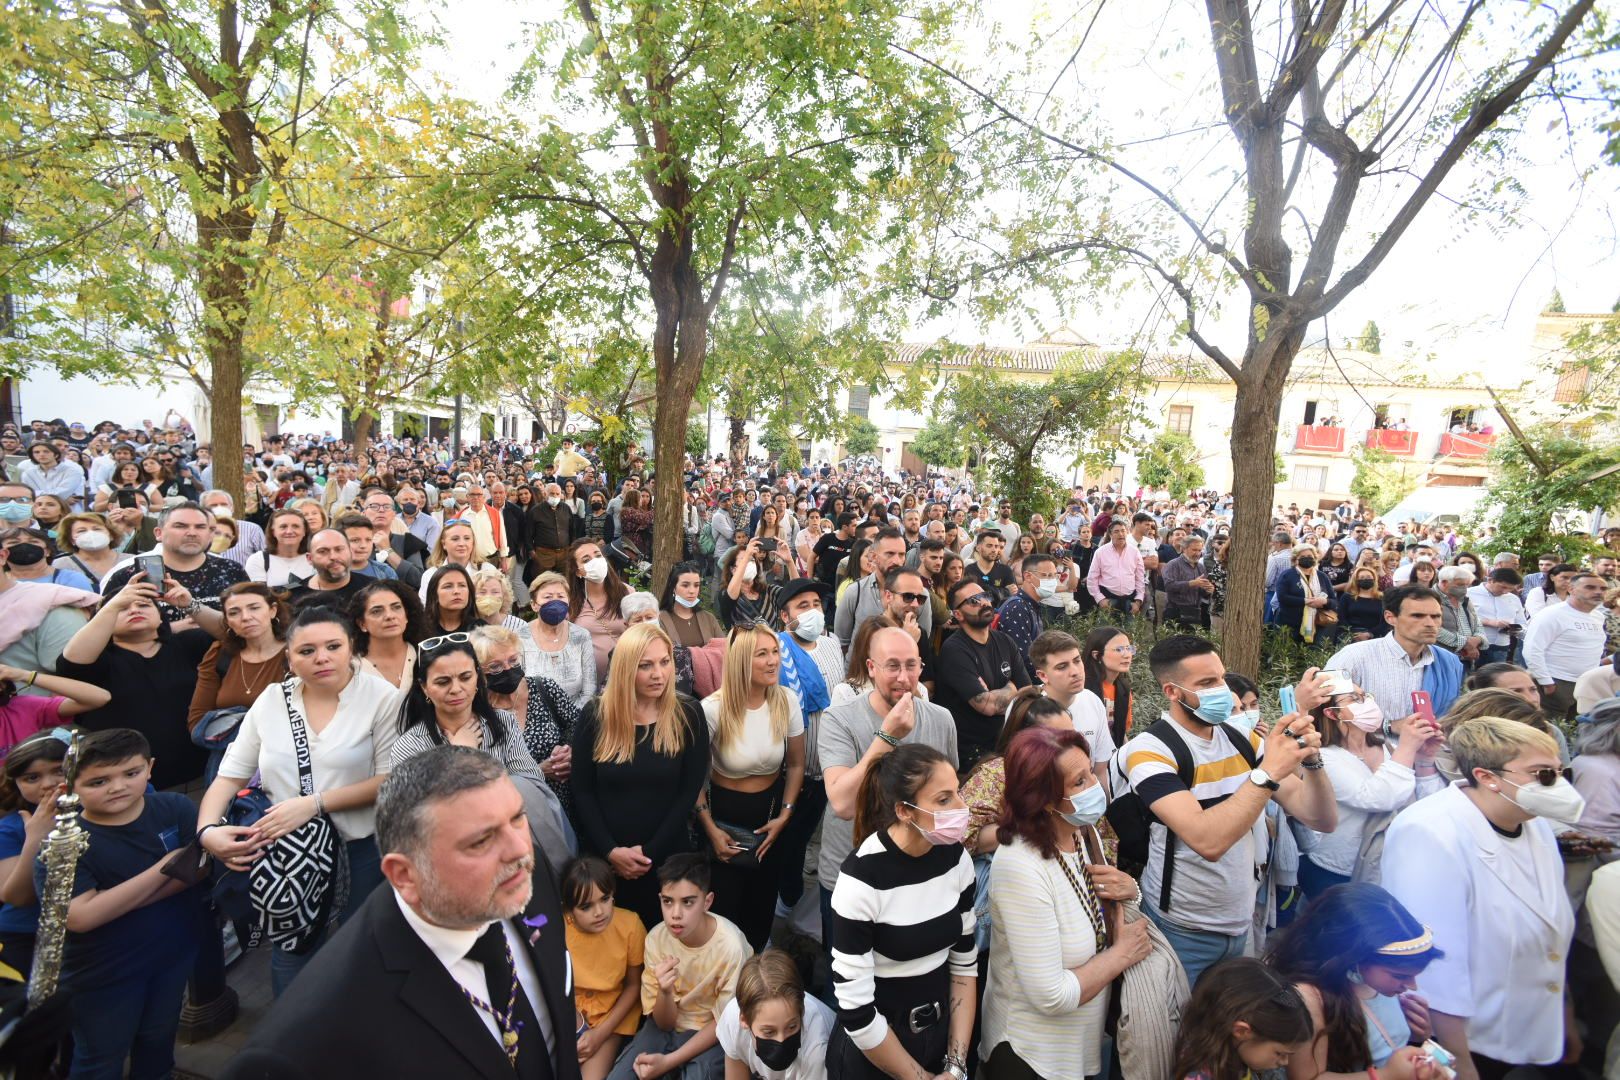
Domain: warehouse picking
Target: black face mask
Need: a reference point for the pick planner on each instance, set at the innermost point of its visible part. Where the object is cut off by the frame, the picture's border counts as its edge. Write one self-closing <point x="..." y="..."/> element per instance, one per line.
<point x="504" y="682"/>
<point x="25" y="555"/>
<point x="778" y="1054"/>
<point x="1306" y="564"/>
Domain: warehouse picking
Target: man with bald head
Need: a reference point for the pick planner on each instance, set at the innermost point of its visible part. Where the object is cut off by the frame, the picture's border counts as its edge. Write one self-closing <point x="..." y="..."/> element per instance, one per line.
<point x="332" y="585"/>
<point x="855" y="734"/>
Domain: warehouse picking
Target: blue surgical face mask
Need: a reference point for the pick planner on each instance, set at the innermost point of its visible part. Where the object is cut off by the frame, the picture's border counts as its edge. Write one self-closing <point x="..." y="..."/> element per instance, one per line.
<point x="1214" y="705"/>
<point x="16" y="513"/>
<point x="1087" y="806"/>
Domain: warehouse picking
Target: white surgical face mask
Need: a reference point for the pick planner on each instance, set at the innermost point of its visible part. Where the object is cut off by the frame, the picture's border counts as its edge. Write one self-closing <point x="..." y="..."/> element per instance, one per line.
<point x="751" y="571"/>
<point x="220" y="511"/>
<point x="552" y="500"/>
<point x="811" y="624"/>
<point x="93" y="540"/>
<point x="596" y="569"/>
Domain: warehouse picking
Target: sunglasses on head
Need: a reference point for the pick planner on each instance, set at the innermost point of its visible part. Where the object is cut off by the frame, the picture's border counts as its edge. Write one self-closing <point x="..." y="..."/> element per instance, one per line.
<point x="443" y="639"/>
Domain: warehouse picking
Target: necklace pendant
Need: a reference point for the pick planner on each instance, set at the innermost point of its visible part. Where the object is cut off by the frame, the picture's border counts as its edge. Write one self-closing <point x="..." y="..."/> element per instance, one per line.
<point x="509" y="1039"/>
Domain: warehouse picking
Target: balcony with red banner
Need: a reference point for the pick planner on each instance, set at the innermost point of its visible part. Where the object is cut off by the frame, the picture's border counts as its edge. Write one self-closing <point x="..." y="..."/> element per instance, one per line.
<point x="1319" y="439"/>
<point x="1399" y="443"/>
<point x="1469" y="445"/>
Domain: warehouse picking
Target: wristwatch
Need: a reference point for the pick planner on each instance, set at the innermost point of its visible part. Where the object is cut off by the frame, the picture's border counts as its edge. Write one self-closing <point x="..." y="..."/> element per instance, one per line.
<point x="192" y="608"/>
<point x="1263" y="779"/>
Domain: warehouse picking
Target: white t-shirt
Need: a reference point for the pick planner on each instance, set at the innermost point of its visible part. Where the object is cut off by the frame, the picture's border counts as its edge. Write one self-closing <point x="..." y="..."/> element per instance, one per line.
<point x="1091" y="720"/>
<point x="357" y="744"/>
<point x="277" y="571"/>
<point x="758" y="752"/>
<point x="738" y="1043"/>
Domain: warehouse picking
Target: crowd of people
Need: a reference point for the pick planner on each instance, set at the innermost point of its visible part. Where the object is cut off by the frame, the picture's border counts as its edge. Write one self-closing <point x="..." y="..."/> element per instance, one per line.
<point x="848" y="798"/>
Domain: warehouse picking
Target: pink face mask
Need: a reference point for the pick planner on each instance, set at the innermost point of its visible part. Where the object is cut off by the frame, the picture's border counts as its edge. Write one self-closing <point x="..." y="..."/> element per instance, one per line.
<point x="1365" y="715"/>
<point x="950" y="826"/>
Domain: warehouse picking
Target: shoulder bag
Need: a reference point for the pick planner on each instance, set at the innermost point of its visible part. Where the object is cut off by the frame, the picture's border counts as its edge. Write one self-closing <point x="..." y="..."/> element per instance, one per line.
<point x="301" y="882"/>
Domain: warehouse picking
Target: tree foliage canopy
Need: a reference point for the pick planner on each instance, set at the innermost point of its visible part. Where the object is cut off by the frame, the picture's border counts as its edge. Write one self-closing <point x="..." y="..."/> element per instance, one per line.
<point x="1170" y="463"/>
<point x="1535" y="494"/>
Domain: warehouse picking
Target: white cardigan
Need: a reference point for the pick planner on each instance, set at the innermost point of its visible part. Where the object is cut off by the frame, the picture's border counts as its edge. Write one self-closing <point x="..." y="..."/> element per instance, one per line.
<point x="1039" y="932"/>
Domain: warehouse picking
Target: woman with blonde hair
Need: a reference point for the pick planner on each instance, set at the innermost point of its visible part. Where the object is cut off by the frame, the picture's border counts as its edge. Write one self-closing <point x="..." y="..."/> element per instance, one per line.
<point x="311" y="511"/>
<point x="756" y="741"/>
<point x="640" y="757"/>
<point x="556" y="648"/>
<point x="493" y="598"/>
<point x="454" y="547"/>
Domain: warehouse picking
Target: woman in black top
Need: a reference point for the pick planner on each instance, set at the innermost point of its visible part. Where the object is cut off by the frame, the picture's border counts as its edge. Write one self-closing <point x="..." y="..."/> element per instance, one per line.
<point x="1336" y="566"/>
<point x="641" y="755"/>
<point x="450" y="602"/>
<point x="150" y="671"/>
<point x="1361" y="606"/>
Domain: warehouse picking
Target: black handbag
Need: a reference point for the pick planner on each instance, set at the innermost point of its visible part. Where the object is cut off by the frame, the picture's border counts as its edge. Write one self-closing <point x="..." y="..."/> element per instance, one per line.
<point x="745" y="838"/>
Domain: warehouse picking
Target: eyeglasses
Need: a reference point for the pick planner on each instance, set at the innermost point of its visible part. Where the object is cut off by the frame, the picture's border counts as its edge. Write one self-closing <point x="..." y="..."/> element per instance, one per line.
<point x="13" y="500"/>
<point x="913" y="597"/>
<point x="443" y="639"/>
<point x="895" y="667"/>
<point x="1546" y="776"/>
<point x="496" y="670"/>
<point x="1123" y="650"/>
<point x="976" y="600"/>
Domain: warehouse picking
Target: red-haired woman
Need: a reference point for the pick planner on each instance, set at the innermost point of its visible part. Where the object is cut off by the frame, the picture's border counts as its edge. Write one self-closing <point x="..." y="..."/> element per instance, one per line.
<point x="1054" y="906"/>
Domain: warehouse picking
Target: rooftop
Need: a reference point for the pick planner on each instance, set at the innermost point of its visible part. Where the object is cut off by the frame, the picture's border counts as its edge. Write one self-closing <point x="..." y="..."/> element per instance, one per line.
<point x="1067" y="348"/>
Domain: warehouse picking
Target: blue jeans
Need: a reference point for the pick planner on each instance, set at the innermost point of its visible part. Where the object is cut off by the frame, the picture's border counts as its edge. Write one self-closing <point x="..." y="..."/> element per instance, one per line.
<point x="137" y="1018"/>
<point x="365" y="874"/>
<point x="652" y="1039"/>
<point x="1496" y="654"/>
<point x="1197" y="949"/>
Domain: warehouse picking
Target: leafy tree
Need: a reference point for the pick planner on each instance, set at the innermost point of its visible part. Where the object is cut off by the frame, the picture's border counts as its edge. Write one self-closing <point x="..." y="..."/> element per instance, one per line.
<point x="860" y="437"/>
<point x="939" y="445"/>
<point x="1555" y="303"/>
<point x="1279" y="468"/>
<point x="1330" y="114"/>
<point x="386" y="307"/>
<point x="1084" y="408"/>
<point x="1170" y="462"/>
<point x="1369" y="341"/>
<point x="1538" y="483"/>
<point x="1382" y="480"/>
<point x="144" y="188"/>
<point x="696" y="140"/>
<point x="697" y="442"/>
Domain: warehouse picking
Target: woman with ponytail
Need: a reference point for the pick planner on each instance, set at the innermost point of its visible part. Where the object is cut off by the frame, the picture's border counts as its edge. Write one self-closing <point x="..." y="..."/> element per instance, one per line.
<point x="903" y="954"/>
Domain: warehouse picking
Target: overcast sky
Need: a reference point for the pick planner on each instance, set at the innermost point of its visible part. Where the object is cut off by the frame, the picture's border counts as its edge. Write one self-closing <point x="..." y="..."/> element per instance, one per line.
<point x="1468" y="293"/>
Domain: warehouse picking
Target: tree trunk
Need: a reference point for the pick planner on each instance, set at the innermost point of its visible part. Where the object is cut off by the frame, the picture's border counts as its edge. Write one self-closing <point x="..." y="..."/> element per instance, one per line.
<point x="363" y="423"/>
<point x="737" y="443"/>
<point x="225" y="428"/>
<point x="1254" y="482"/>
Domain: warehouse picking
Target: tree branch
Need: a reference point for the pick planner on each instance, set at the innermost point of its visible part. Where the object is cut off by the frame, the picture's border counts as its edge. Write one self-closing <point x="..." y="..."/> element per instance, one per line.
<point x="1479" y="121"/>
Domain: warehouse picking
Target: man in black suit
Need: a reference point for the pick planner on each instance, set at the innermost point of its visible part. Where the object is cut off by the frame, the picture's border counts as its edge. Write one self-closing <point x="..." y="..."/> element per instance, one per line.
<point x="457" y="969"/>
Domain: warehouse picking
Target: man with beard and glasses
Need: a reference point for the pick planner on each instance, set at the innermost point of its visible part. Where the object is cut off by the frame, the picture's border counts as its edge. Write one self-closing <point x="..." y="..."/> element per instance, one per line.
<point x="979" y="671"/>
<point x="457" y="969"/>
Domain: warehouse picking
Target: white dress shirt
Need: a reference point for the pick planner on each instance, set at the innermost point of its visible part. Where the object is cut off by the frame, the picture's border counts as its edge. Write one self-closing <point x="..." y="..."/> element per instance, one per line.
<point x="1507" y="606"/>
<point x="450" y="947"/>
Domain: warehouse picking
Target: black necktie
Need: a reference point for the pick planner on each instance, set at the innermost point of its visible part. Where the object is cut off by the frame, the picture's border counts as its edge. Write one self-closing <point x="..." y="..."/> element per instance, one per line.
<point x="533" y="1059"/>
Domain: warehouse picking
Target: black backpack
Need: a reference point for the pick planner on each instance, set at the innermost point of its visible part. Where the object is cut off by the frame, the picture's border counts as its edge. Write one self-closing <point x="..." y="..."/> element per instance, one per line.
<point x="1133" y="821"/>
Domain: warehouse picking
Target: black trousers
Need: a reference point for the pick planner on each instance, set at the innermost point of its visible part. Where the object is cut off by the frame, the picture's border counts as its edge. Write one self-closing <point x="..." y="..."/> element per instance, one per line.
<point x="747" y="895"/>
<point x="896" y="999"/>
